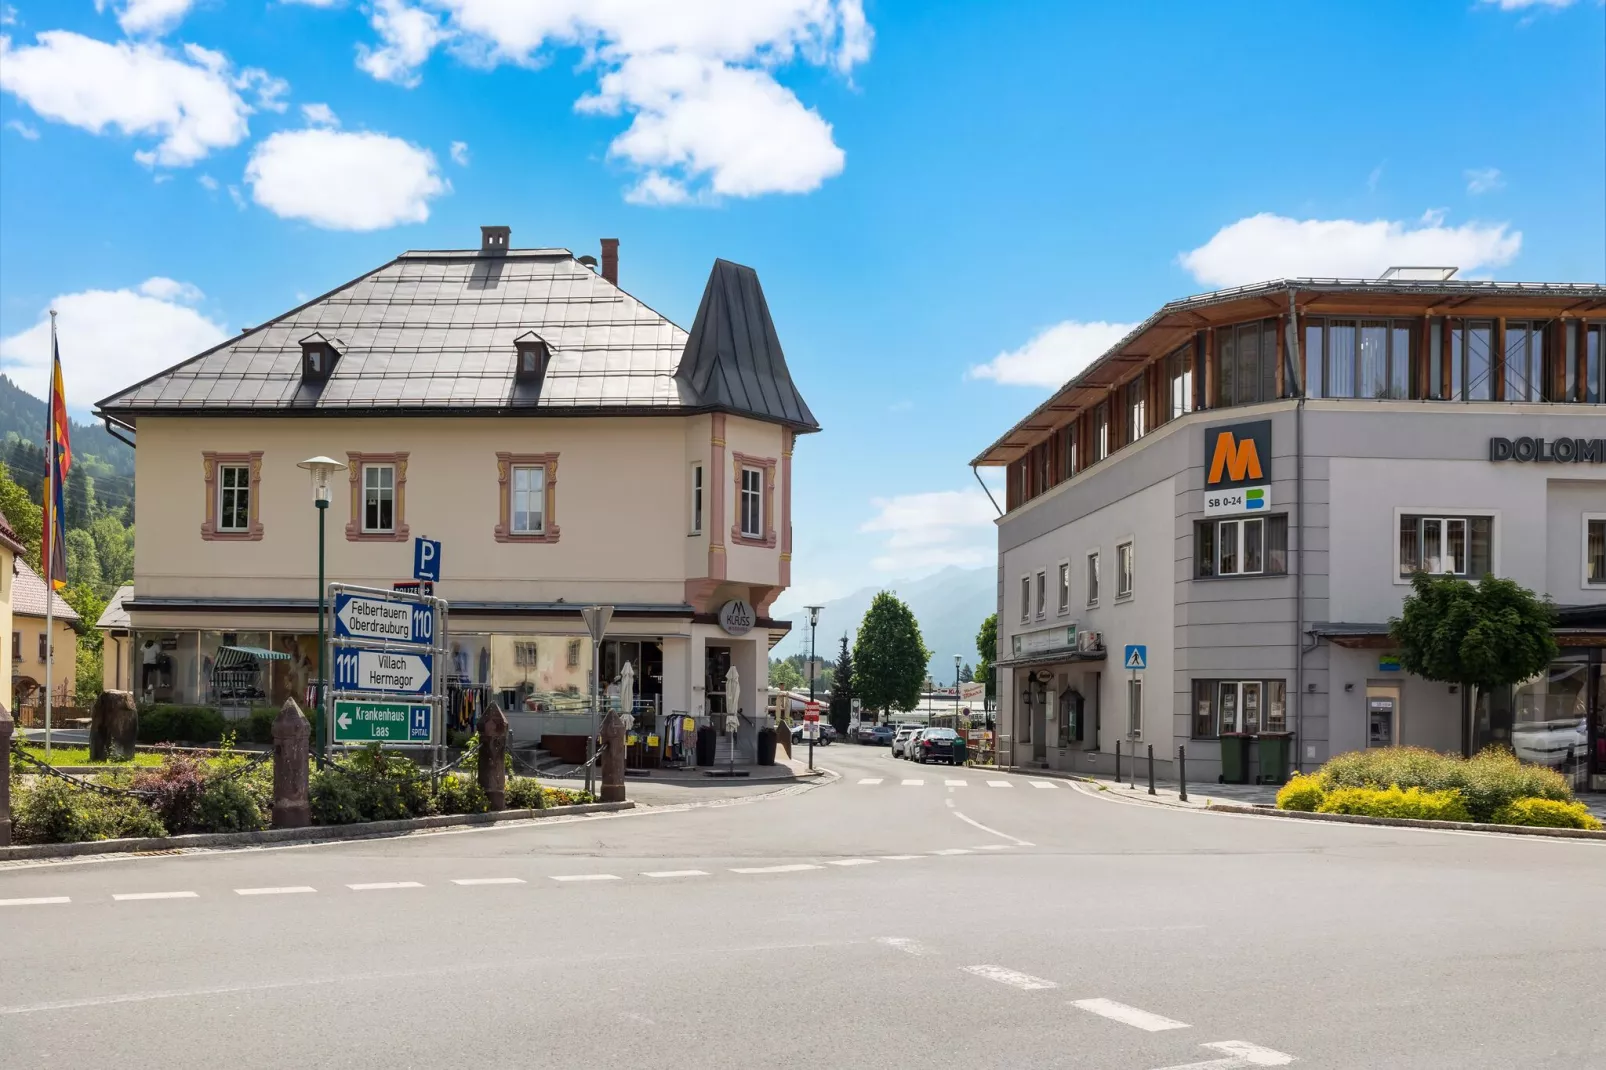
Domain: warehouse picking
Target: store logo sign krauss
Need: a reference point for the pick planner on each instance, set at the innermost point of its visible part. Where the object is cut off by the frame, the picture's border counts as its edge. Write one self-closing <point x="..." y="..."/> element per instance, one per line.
<point x="1237" y="455"/>
<point x="736" y="617"/>
<point x="1546" y="450"/>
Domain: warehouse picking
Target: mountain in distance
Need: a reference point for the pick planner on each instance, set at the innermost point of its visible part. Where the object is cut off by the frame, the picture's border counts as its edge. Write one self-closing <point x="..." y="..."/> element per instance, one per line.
<point x="22" y="416"/>
<point x="948" y="605"/>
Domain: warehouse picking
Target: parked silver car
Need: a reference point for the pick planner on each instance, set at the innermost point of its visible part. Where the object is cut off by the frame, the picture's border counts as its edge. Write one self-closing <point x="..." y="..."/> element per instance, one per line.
<point x="901" y="739"/>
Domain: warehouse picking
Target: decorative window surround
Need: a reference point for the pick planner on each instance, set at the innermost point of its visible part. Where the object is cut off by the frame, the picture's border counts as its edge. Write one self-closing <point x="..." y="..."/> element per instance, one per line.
<point x="354" y="531"/>
<point x="767" y="466"/>
<point x="505" y="463"/>
<point x="209" y="526"/>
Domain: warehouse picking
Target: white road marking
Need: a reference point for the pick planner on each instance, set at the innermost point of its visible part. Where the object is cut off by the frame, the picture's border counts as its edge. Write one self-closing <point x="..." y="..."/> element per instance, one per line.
<point x="677" y="873"/>
<point x="1133" y="1016"/>
<point x="950" y="803"/>
<point x="1016" y="840"/>
<point x="999" y="784"/>
<point x="900" y="858"/>
<point x="796" y="867"/>
<point x="127" y="896"/>
<point x="37" y="901"/>
<point x="585" y="877"/>
<point x="952" y="851"/>
<point x="913" y="783"/>
<point x="871" y="780"/>
<point x="383" y="886"/>
<point x="904" y="944"/>
<point x="956" y="783"/>
<point x="852" y="862"/>
<point x="474" y="881"/>
<point x="992" y="847"/>
<point x="1240" y="1054"/>
<point x="1010" y="977"/>
<point x="1044" y="784"/>
<point x="289" y="889"/>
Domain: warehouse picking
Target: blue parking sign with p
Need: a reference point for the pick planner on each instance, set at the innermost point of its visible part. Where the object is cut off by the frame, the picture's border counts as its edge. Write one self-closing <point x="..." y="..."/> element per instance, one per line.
<point x="427" y="560"/>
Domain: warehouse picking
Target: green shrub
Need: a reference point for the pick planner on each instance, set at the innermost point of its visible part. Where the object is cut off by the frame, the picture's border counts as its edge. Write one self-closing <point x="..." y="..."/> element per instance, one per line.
<point x="1300" y="793"/>
<point x="180" y="724"/>
<point x="53" y="811"/>
<point x="524" y="793"/>
<point x="175" y="786"/>
<point x="565" y="797"/>
<point x="1395" y="802"/>
<point x="1487" y="781"/>
<point x="372" y="785"/>
<point x="1546" y="813"/>
<point x="460" y="795"/>
<point x="333" y="798"/>
<point x="227" y="806"/>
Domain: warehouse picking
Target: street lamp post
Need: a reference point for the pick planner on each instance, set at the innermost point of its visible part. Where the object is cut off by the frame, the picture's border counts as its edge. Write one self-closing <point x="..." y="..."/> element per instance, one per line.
<point x="957" y="659"/>
<point x="321" y="468"/>
<point x="814" y="622"/>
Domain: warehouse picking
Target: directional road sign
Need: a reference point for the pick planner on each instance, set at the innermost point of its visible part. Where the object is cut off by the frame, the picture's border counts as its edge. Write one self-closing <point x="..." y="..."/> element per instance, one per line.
<point x="391" y="620"/>
<point x="362" y="721"/>
<point x="427" y="560"/>
<point x="811" y="712"/>
<point x="378" y="670"/>
<point x="1137" y="656"/>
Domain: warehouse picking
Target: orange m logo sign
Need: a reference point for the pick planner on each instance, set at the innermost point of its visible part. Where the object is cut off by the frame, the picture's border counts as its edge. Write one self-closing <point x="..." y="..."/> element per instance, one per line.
<point x="1240" y="460"/>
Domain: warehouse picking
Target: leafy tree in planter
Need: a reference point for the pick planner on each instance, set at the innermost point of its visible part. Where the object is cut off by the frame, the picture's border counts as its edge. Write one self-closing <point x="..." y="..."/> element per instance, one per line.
<point x="1487" y="635"/>
<point x="889" y="657"/>
<point x="841" y="711"/>
<point x="986" y="650"/>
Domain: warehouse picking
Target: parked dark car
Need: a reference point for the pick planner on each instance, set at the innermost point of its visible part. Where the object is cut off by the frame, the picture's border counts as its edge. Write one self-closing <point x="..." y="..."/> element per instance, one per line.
<point x="939" y="745"/>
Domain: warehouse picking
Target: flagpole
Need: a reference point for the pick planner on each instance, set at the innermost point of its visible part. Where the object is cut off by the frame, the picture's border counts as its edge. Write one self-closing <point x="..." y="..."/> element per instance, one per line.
<point x="48" y="533"/>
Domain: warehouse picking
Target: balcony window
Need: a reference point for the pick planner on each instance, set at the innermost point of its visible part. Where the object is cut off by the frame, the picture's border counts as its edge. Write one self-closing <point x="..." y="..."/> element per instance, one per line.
<point x="1179" y="378"/>
<point x="1472" y="360"/>
<point x="1247" y="363"/>
<point x="1525" y="362"/>
<point x="1358" y="358"/>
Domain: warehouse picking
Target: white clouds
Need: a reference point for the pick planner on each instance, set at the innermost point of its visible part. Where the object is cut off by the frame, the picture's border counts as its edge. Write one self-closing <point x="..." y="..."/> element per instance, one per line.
<point x="344" y="181"/>
<point x="320" y="115"/>
<point x="697" y="79"/>
<point x="150" y="16"/>
<point x="933" y="530"/>
<point x="23" y="130"/>
<point x="1484" y="180"/>
<point x="190" y="100"/>
<point x="111" y="338"/>
<point x="460" y="153"/>
<point x="1268" y="246"/>
<point x="1520" y="5"/>
<point x="207" y="182"/>
<point x="1053" y="355"/>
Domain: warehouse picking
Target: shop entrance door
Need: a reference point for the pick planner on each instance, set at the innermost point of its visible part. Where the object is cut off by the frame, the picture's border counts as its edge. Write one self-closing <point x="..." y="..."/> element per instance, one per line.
<point x="716" y="663"/>
<point x="1382" y="715"/>
<point x="1039" y="715"/>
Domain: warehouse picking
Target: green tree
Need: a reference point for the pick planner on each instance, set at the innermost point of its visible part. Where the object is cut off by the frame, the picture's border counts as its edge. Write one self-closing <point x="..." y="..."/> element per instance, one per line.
<point x="1486" y="635"/>
<point x="967" y="674"/>
<point x="784" y="676"/>
<point x="986" y="650"/>
<point x="78" y="507"/>
<point x="889" y="657"/>
<point x="842" y="689"/>
<point x="25" y="517"/>
<point x="83" y="562"/>
<point x="114" y="548"/>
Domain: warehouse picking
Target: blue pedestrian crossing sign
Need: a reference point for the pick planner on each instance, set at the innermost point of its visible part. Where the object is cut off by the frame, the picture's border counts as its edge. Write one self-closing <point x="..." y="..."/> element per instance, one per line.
<point x="1137" y="656"/>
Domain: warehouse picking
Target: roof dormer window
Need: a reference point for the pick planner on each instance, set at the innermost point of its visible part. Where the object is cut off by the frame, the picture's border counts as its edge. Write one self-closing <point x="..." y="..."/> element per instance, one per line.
<point x="533" y="355"/>
<point x="495" y="239"/>
<point x="318" y="357"/>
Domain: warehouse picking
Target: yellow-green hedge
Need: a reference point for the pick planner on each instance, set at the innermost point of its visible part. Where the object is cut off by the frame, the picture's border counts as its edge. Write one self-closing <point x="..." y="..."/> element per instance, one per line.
<point x="1546" y="813"/>
<point x="1301" y="793"/>
<point x="1395" y="802"/>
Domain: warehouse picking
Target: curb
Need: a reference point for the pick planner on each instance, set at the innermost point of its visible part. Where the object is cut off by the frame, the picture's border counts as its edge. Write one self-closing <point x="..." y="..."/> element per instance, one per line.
<point x="1410" y="822"/>
<point x="312" y="834"/>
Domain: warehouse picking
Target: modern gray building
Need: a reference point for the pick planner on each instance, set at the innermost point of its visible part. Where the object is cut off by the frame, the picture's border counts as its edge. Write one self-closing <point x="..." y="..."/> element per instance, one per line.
<point x="1242" y="489"/>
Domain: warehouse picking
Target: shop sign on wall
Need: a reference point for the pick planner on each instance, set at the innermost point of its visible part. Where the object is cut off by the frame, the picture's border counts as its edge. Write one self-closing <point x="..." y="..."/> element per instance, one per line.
<point x="1547" y="450"/>
<point x="736" y="617"/>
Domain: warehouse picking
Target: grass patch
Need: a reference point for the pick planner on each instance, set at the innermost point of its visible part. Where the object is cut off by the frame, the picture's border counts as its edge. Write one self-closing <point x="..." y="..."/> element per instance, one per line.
<point x="80" y="756"/>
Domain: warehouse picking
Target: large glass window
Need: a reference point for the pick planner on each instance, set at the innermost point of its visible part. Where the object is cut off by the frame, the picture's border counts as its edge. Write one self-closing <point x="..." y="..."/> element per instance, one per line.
<point x="1595" y="549"/>
<point x="1226" y="707"/>
<point x="1359" y="358"/>
<point x="1247" y="363"/>
<point x="529" y="499"/>
<point x="379" y="497"/>
<point x="1065" y="587"/>
<point x="1446" y="545"/>
<point x="1069" y="457"/>
<point x="1025" y="599"/>
<point x="1093" y="578"/>
<point x="1123" y="570"/>
<point x="1243" y="546"/>
<point x="1179" y="375"/>
<point x="1594" y="364"/>
<point x="1472" y="360"/>
<point x="1101" y="431"/>
<point x="1136" y="409"/>
<point x="752" y="503"/>
<point x="1525" y="362"/>
<point x="696" y="499"/>
<point x="1042" y="595"/>
<point x="234" y="497"/>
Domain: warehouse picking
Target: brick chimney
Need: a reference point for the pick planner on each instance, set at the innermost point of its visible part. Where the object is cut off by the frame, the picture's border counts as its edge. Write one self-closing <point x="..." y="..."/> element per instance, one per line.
<point x="610" y="260"/>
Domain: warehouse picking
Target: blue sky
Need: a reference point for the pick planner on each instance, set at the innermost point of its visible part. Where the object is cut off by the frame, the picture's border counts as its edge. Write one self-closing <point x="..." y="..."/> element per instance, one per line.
<point x="952" y="206"/>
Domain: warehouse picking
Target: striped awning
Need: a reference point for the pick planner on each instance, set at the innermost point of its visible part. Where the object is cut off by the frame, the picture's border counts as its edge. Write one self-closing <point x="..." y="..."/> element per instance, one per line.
<point x="231" y="657"/>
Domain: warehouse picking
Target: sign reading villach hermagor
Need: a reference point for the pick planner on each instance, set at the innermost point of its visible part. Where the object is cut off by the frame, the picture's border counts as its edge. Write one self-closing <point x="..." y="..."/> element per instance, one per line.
<point x="1549" y="450"/>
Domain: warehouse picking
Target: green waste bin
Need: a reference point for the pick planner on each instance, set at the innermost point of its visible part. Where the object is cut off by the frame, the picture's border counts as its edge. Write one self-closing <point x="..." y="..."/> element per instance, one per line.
<point x="1234" y="758"/>
<point x="1274" y="747"/>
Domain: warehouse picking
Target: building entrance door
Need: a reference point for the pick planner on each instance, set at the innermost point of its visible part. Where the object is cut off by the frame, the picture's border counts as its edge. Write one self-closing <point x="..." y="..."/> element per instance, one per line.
<point x="1382" y="715"/>
<point x="1039" y="719"/>
<point x="716" y="663"/>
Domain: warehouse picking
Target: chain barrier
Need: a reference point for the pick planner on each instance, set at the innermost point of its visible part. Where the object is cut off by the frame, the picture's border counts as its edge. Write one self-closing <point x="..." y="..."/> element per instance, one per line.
<point x="46" y="769"/>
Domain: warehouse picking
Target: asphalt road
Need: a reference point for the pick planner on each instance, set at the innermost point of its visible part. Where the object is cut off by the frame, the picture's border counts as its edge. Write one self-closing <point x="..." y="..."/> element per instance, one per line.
<point x="993" y="923"/>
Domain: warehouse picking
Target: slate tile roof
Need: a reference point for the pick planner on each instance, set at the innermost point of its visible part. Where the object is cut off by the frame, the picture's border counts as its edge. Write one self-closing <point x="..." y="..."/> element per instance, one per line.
<point x="28" y="595"/>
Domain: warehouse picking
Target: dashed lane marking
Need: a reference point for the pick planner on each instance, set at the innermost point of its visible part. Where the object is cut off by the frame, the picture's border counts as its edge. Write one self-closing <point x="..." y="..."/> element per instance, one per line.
<point x="871" y="780"/>
<point x="992" y="847"/>
<point x="913" y="783"/>
<point x="852" y="862"/>
<point x="124" y="897"/>
<point x="470" y="882"/>
<point x="795" y="867"/>
<point x="904" y="944"/>
<point x="900" y="858"/>
<point x="952" y="851"/>
<point x="1240" y="1055"/>
<point x="585" y="877"/>
<point x="955" y="783"/>
<point x="289" y="889"/>
<point x="383" y="886"/>
<point x="1133" y="1016"/>
<point x="666" y="873"/>
<point x="999" y="784"/>
<point x="1014" y="978"/>
<point x="1044" y="784"/>
<point x="36" y="901"/>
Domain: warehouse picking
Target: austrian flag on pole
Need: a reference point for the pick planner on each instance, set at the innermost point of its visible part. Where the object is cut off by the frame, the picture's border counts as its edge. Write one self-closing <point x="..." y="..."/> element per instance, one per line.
<point x="58" y="461"/>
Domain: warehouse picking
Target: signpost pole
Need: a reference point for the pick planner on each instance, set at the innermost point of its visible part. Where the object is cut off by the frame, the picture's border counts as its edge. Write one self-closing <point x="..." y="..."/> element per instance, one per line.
<point x="321" y="727"/>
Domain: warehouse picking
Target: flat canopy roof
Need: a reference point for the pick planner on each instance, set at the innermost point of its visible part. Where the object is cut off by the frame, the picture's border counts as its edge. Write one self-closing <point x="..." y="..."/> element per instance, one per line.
<point x="1176" y="323"/>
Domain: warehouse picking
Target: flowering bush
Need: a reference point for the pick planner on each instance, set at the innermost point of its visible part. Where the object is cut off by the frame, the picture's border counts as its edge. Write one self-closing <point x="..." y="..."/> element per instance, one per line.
<point x="1396" y="802"/>
<point x="1546" y="813"/>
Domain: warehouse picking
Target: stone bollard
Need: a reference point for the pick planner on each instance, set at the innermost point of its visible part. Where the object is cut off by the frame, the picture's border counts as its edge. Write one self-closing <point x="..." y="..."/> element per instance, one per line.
<point x="613" y="759"/>
<point x="493" y="757"/>
<point x="291" y="735"/>
<point x="6" y="727"/>
<point x="113" y="727"/>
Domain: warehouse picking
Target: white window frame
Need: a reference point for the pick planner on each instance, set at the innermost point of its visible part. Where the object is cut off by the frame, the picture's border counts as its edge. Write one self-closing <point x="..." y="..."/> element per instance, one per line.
<point x="1092" y="573"/>
<point x="756" y="497"/>
<point x="1125" y="568"/>
<point x="378" y="466"/>
<point x="1583" y="575"/>
<point x="1025" y="599"/>
<point x="1240" y="526"/>
<point x="223" y="489"/>
<point x="1450" y="513"/>
<point x="1042" y="594"/>
<point x="1064" y="574"/>
<point x="696" y="527"/>
<point x="513" y="500"/>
